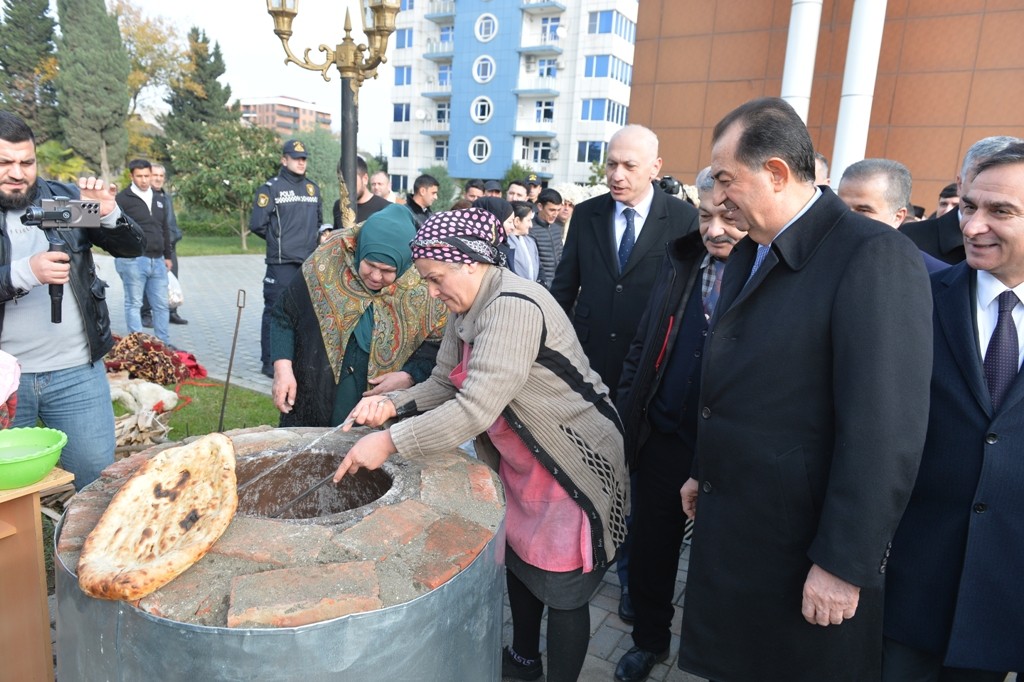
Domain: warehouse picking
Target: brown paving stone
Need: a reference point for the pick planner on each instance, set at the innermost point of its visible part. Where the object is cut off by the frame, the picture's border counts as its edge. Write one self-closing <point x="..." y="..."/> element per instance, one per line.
<point x="79" y="520"/>
<point x="271" y="542"/>
<point x="291" y="597"/>
<point x="127" y="466"/>
<point x="456" y="539"/>
<point x="482" y="484"/>
<point x="387" y="528"/>
<point x="432" y="574"/>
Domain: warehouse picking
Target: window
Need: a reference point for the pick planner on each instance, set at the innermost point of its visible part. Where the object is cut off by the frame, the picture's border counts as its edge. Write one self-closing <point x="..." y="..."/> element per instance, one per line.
<point x="604" y="66"/>
<point x="400" y="183"/>
<point x="486" y="28"/>
<point x="545" y="111"/>
<point x="483" y="69"/>
<point x="444" y="112"/>
<point x="479" y="149"/>
<point x="549" y="29"/>
<point x="604" y="110"/>
<point x="400" y="149"/>
<point x="536" y="151"/>
<point x="440" y="150"/>
<point x="403" y="75"/>
<point x="447" y="35"/>
<point x="403" y="38"/>
<point x="589" y="152"/>
<point x="444" y="75"/>
<point x="547" y="68"/>
<point x="481" y="109"/>
<point x="408" y="5"/>
<point x="401" y="113"/>
<point x="610" y="21"/>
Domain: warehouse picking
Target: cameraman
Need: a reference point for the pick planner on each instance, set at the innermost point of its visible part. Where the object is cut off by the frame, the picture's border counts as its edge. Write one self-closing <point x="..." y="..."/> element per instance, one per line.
<point x="63" y="381"/>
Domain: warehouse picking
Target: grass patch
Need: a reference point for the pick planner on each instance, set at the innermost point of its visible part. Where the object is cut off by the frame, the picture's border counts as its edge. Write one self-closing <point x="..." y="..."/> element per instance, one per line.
<point x="218" y="245"/>
<point x="244" y="408"/>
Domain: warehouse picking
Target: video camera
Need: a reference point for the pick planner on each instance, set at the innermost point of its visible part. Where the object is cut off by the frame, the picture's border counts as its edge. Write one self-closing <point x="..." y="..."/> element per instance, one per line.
<point x="61" y="212"/>
<point x="670" y="185"/>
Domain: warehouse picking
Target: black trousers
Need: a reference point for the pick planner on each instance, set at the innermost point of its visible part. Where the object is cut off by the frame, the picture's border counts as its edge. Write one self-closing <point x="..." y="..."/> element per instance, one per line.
<point x="657" y="532"/>
<point x="901" y="663"/>
<point x="275" y="281"/>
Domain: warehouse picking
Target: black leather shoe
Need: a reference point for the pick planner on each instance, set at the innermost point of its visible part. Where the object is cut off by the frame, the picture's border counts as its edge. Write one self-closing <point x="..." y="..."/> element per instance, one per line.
<point x="510" y="667"/>
<point x="147" y="320"/>
<point x="177" y="319"/>
<point x="626" y="613"/>
<point x="636" y="664"/>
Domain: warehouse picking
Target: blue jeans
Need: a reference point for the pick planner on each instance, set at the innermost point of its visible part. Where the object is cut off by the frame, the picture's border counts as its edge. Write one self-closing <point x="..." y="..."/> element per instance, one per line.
<point x="145" y="275"/>
<point x="76" y="401"/>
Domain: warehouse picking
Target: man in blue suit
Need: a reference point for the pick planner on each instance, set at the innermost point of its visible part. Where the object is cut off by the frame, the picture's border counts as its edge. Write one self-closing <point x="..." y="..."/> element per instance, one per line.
<point x="954" y="604"/>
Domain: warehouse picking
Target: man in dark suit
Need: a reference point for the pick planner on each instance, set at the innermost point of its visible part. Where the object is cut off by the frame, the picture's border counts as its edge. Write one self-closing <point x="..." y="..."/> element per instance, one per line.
<point x="811" y="419"/>
<point x="954" y="603"/>
<point x="940" y="237"/>
<point x="657" y="401"/>
<point x="610" y="263"/>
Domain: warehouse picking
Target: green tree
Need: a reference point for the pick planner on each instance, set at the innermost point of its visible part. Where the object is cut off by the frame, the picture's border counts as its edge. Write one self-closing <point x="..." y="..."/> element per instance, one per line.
<point x="196" y="96"/>
<point x="221" y="170"/>
<point x="58" y="163"/>
<point x="597" y="173"/>
<point x="446" y="189"/>
<point x="28" y="65"/>
<point x="322" y="168"/>
<point x="517" y="171"/>
<point x="91" y="84"/>
<point x="153" y="50"/>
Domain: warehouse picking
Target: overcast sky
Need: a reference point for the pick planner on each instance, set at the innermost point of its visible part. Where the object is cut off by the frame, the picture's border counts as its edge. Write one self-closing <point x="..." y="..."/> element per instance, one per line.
<point x="255" y="59"/>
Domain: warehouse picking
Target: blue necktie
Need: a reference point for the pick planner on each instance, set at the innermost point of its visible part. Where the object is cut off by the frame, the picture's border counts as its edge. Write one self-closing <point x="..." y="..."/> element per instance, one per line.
<point x="1001" y="358"/>
<point x="628" y="238"/>
<point x="762" y="251"/>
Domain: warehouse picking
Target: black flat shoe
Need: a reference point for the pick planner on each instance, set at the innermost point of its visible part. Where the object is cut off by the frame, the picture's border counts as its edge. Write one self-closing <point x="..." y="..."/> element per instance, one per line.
<point x="636" y="664"/>
<point x="510" y="667"/>
<point x="178" y="319"/>
<point x="626" y="613"/>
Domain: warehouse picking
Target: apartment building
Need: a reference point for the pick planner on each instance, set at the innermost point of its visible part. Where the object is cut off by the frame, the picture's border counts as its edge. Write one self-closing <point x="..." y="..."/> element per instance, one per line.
<point x="285" y="115"/>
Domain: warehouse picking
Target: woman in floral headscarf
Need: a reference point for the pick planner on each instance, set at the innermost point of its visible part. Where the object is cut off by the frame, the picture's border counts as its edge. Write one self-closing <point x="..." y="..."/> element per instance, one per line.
<point x="357" y="322"/>
<point x="511" y="372"/>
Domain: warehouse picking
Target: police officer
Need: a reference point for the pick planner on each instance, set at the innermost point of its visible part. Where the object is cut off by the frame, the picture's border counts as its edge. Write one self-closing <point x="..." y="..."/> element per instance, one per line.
<point x="288" y="213"/>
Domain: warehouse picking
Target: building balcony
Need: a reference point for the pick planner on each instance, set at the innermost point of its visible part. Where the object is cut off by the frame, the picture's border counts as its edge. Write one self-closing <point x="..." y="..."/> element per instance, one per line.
<point x="533" y="129"/>
<point x="440" y="11"/>
<point x="545" y="44"/>
<point x="440" y="51"/>
<point x="287" y="113"/>
<point x="437" y="90"/>
<point x="542" y="8"/>
<point x="435" y="128"/>
<point x="537" y="86"/>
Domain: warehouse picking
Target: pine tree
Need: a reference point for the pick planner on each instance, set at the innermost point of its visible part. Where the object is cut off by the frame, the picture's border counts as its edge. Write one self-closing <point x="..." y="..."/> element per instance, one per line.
<point x="197" y="97"/>
<point x="28" y="65"/>
<point x="91" y="84"/>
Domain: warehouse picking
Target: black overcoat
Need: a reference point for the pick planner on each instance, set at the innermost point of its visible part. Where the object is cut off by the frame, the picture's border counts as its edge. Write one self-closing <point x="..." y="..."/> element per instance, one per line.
<point x="813" y="410"/>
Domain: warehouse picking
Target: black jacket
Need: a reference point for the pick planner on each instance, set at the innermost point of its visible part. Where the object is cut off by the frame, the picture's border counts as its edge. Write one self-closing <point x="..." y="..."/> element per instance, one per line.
<point x="549" y="247"/>
<point x="288" y="212"/>
<point x="419" y="213"/>
<point x="645" y="363"/>
<point x="153" y="221"/>
<point x="939" y="237"/>
<point x="125" y="241"/>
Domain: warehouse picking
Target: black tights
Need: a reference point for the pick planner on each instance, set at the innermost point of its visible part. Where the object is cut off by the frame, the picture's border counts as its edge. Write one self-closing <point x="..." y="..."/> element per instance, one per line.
<point x="568" y="632"/>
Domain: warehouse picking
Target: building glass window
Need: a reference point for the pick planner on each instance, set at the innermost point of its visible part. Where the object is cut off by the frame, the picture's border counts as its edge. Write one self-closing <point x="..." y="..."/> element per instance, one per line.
<point x="400" y="149"/>
<point x="440" y="150"/>
<point x="403" y="75"/>
<point x="591" y="151"/>
<point x="447" y="35"/>
<point x="408" y="5"/>
<point x="444" y="112"/>
<point x="604" y="66"/>
<point x="479" y="149"/>
<point x="545" y="111"/>
<point x="403" y="38"/>
<point x="549" y="29"/>
<point x="604" y="110"/>
<point x="483" y="69"/>
<point x="401" y="113"/>
<point x="444" y="75"/>
<point x="486" y="28"/>
<point x="400" y="183"/>
<point x="481" y="109"/>
<point x="610" y="21"/>
<point x="540" y="151"/>
<point x="547" y="68"/>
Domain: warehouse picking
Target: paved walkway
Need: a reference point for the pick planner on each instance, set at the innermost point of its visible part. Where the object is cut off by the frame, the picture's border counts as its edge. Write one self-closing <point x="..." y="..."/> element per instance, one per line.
<point x="211" y="285"/>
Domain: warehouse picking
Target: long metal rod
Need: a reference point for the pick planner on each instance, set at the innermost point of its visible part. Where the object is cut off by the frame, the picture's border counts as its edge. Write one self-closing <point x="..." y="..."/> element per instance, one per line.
<point x="349" y="129"/>
<point x="240" y="302"/>
<point x="303" y="496"/>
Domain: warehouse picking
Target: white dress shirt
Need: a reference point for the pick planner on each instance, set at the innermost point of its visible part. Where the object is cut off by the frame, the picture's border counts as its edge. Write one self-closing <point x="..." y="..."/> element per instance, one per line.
<point x="643" y="209"/>
<point x="987" y="308"/>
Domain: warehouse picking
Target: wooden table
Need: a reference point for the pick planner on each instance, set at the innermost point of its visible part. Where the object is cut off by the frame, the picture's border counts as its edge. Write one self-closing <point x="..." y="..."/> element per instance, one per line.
<point x="24" y="617"/>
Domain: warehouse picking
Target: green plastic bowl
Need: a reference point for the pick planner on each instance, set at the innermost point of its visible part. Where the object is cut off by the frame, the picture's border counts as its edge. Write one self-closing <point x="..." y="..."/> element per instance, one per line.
<point x="28" y="454"/>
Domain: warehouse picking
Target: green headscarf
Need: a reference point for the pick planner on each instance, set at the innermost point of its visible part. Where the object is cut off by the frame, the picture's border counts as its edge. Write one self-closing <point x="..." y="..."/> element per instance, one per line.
<point x="384" y="238"/>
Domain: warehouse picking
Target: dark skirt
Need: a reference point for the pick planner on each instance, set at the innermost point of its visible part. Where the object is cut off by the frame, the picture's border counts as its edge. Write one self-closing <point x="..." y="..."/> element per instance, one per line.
<point x="558" y="590"/>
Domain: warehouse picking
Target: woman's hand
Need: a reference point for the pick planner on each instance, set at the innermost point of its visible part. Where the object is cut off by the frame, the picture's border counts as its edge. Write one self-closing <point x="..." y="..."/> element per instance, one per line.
<point x="392" y="381"/>
<point x="284" y="386"/>
<point x="372" y="411"/>
<point x="369" y="452"/>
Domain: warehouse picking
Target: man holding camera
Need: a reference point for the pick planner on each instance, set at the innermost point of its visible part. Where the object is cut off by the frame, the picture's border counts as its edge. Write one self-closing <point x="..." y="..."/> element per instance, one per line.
<point x="63" y="381"/>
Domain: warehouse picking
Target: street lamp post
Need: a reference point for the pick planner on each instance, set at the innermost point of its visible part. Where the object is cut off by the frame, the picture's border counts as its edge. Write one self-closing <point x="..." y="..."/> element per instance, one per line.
<point x="355" y="63"/>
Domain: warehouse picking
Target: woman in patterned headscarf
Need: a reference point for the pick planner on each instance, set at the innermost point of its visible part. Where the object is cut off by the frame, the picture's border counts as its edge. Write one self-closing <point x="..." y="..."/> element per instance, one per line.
<point x="358" y="322"/>
<point x="511" y="372"/>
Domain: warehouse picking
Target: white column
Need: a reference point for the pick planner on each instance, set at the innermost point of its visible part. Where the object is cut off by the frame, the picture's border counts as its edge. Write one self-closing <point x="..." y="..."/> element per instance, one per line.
<point x="858" y="85"/>
<point x="801" y="47"/>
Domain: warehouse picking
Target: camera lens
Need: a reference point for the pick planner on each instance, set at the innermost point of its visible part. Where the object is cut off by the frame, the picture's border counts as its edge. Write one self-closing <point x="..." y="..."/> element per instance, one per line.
<point x="32" y="215"/>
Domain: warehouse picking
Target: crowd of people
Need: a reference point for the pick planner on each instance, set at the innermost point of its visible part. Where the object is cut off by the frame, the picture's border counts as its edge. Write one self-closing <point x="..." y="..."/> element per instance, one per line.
<point x="826" y="389"/>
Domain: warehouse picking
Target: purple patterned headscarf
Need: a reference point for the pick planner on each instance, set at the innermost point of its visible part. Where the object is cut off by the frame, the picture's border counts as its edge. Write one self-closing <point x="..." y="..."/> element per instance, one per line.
<point x="465" y="235"/>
